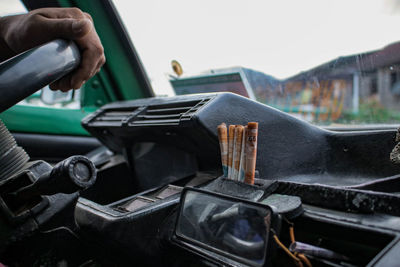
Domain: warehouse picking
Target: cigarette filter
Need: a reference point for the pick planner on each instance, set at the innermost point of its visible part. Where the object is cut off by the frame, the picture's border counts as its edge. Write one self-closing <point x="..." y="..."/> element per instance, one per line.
<point x="251" y="152"/>
<point x="243" y="156"/>
<point x="231" y="139"/>
<point x="237" y="151"/>
<point x="223" y="145"/>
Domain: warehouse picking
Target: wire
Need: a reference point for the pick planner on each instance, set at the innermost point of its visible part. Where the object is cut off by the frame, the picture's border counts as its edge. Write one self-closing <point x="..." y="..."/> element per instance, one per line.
<point x="291" y="233"/>
<point x="300" y="256"/>
<point x="303" y="257"/>
<point x="279" y="243"/>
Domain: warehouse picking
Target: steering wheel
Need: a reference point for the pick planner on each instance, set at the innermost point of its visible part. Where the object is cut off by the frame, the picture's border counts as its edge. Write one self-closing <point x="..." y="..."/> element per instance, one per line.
<point x="30" y="71"/>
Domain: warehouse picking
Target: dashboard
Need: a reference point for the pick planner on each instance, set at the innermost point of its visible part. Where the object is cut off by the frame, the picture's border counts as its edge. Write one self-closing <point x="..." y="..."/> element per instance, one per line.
<point x="344" y="181"/>
<point x="154" y="193"/>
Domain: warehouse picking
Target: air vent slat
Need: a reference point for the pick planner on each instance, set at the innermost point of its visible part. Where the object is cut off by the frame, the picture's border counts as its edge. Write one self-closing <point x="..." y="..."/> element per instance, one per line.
<point x="117" y="113"/>
<point x="145" y="117"/>
<point x="154" y="122"/>
<point x="105" y="123"/>
<point x="159" y="111"/>
<point x="187" y="104"/>
<point x="112" y="117"/>
<point x="109" y="119"/>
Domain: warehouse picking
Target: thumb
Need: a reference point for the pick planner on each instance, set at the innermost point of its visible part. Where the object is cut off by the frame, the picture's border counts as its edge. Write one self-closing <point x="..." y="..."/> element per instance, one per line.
<point x="68" y="28"/>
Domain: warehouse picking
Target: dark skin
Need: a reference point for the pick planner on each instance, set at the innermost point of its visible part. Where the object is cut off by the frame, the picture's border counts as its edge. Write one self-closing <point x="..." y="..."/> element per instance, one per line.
<point x="21" y="32"/>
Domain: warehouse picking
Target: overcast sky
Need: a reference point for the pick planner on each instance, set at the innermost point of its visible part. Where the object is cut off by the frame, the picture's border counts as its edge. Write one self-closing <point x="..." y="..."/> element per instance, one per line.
<point x="280" y="38"/>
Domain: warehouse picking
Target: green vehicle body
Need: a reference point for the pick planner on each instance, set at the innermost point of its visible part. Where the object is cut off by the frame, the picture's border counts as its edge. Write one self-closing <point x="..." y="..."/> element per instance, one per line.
<point x="117" y="80"/>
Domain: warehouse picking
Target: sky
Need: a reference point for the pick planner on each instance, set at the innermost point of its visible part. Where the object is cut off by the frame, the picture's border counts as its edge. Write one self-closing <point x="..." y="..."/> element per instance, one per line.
<point x="280" y="38"/>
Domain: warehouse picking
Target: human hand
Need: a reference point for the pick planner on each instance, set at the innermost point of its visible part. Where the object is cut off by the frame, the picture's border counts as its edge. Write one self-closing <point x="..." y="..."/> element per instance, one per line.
<point x="21" y="32"/>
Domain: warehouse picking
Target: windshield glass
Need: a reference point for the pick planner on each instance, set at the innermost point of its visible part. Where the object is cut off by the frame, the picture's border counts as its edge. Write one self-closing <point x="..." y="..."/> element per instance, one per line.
<point x="327" y="62"/>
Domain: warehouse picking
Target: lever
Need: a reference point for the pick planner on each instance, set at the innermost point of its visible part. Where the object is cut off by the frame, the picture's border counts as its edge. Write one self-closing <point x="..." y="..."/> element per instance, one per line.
<point x="68" y="176"/>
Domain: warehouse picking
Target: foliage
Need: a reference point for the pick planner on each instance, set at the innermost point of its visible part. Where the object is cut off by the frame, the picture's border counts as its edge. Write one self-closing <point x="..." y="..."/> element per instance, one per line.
<point x="370" y="111"/>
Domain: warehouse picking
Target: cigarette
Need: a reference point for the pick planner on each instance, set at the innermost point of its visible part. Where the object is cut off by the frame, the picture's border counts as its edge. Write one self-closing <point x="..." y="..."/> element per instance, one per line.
<point x="223" y="145"/>
<point x="242" y="166"/>
<point x="237" y="151"/>
<point x="231" y="139"/>
<point x="251" y="152"/>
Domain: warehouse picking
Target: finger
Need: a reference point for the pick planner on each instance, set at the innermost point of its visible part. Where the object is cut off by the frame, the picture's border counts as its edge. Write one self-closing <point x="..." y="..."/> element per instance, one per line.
<point x="100" y="64"/>
<point x="66" y="28"/>
<point x="86" y="70"/>
<point x="54" y="86"/>
<point x="87" y="15"/>
<point x="63" y="84"/>
<point x="69" y="12"/>
<point x="87" y="67"/>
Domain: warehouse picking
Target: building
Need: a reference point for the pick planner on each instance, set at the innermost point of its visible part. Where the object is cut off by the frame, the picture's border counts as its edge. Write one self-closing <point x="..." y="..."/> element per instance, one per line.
<point x="345" y="82"/>
<point x="243" y="81"/>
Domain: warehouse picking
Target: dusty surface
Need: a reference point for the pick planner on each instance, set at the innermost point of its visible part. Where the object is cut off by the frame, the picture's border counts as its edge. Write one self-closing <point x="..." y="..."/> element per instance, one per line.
<point x="395" y="154"/>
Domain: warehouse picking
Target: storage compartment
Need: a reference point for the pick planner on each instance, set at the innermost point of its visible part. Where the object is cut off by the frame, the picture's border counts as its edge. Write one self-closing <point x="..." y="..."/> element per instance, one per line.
<point x="359" y="245"/>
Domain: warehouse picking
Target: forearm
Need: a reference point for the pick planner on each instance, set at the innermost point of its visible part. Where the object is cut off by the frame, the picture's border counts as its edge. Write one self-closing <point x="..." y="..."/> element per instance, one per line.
<point x="5" y="51"/>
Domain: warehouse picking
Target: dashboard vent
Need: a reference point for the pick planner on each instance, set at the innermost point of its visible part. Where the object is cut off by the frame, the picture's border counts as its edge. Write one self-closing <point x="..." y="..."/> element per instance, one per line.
<point x="167" y="114"/>
<point x="113" y="117"/>
<point x="153" y="115"/>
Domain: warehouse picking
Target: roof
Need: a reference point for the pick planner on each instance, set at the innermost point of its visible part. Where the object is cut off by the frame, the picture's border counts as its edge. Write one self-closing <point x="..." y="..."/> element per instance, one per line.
<point x="347" y="65"/>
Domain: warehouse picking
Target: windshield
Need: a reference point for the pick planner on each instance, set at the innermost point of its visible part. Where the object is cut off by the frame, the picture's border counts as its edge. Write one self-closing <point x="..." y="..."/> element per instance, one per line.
<point x="327" y="62"/>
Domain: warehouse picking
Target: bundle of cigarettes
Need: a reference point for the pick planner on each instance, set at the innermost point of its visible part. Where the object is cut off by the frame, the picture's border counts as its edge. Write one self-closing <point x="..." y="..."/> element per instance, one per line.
<point x="238" y="146"/>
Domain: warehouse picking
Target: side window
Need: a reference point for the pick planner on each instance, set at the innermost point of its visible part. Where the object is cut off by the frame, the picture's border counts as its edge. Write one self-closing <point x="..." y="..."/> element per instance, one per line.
<point x="56" y="99"/>
<point x="11" y="7"/>
<point x="44" y="97"/>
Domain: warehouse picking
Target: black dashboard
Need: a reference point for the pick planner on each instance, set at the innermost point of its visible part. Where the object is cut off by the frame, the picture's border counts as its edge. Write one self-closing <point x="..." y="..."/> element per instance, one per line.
<point x="345" y="180"/>
<point x="154" y="194"/>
